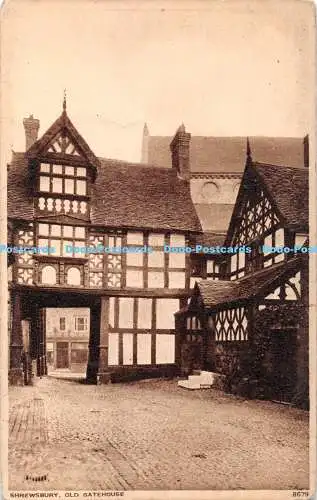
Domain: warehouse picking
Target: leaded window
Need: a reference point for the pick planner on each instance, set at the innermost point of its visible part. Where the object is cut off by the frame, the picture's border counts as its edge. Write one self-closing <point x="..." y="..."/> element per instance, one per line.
<point x="62" y="240"/>
<point x="63" y="179"/>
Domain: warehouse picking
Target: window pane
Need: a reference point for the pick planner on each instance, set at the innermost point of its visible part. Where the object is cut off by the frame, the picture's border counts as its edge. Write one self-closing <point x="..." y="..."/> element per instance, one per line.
<point x="210" y="266"/>
<point x="81" y="324"/>
<point x="176" y="260"/>
<point x="156" y="259"/>
<point x="165" y="309"/>
<point x="44" y="183"/>
<point x="176" y="280"/>
<point x="135" y="239"/>
<point x="56" y="244"/>
<point x="81" y="187"/>
<point x="300" y="239"/>
<point x="69" y="186"/>
<point x="145" y="313"/>
<point x="80" y="248"/>
<point x="135" y="259"/>
<point x="49" y="275"/>
<point x="156" y="280"/>
<point x="241" y="260"/>
<point x="268" y="243"/>
<point x="127" y="348"/>
<point x="81" y="172"/>
<point x="67" y="248"/>
<point x="43" y="229"/>
<point x="57" y="185"/>
<point x="113" y="349"/>
<point x="165" y="348"/>
<point x="73" y="276"/>
<point x="43" y="242"/>
<point x="111" y="311"/>
<point x="62" y="323"/>
<point x="177" y="240"/>
<point x="125" y="313"/>
<point x="144" y="349"/>
<point x="69" y="170"/>
<point x="134" y="278"/>
<point x="45" y="167"/>
<point x="156" y="240"/>
<point x="68" y="231"/>
<point x="55" y="230"/>
<point x="80" y="232"/>
<point x="233" y="263"/>
<point x="57" y="169"/>
<point x="80" y="346"/>
<point x="279" y="238"/>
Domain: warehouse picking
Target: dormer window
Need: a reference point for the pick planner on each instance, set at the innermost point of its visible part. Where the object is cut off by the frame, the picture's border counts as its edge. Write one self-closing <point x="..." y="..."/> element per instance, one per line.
<point x="63" y="179"/>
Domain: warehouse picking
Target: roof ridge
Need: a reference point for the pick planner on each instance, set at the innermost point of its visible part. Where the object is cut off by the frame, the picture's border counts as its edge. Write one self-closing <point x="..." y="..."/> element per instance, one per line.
<point x="244" y="137"/>
<point x="136" y="164"/>
<point x="261" y="164"/>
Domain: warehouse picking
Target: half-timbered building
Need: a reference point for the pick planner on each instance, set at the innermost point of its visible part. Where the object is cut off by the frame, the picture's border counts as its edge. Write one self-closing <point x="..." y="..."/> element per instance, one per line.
<point x="252" y="324"/>
<point x="63" y="203"/>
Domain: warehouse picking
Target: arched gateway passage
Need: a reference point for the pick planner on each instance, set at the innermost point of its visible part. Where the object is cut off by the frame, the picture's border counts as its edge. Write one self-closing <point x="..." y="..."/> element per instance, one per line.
<point x="30" y="348"/>
<point x="125" y="339"/>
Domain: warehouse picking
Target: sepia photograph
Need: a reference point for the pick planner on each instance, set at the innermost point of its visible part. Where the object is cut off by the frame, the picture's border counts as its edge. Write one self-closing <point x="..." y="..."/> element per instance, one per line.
<point x="158" y="249"/>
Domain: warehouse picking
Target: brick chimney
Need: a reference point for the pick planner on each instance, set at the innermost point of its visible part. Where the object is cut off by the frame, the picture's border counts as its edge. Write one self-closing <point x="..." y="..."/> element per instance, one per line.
<point x="180" y="153"/>
<point x="31" y="127"/>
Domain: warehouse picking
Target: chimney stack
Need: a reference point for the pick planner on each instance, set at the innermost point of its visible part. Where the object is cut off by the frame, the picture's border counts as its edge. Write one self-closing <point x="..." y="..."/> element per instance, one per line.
<point x="180" y="153"/>
<point x="31" y="127"/>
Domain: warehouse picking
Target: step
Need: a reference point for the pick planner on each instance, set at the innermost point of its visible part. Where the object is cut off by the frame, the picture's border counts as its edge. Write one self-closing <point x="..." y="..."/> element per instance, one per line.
<point x="188" y="385"/>
<point x="203" y="378"/>
<point x="195" y="379"/>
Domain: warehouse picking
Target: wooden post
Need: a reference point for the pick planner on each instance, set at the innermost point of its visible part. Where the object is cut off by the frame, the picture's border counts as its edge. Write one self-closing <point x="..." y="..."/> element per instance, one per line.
<point x="94" y="340"/>
<point x="103" y="373"/>
<point x="16" y="342"/>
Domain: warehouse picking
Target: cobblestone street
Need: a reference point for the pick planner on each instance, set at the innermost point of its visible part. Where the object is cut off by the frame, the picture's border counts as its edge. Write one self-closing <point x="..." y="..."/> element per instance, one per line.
<point x="151" y="435"/>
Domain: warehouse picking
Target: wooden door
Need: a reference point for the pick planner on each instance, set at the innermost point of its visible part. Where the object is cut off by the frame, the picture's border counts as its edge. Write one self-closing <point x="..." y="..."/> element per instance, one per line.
<point x="283" y="350"/>
<point x="62" y="356"/>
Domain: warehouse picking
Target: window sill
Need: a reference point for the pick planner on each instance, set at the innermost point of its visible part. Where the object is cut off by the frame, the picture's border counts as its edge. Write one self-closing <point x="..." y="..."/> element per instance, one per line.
<point x="56" y="259"/>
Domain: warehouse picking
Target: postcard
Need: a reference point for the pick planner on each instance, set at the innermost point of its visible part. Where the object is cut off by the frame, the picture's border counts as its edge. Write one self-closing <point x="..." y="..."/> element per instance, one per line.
<point x="158" y="249"/>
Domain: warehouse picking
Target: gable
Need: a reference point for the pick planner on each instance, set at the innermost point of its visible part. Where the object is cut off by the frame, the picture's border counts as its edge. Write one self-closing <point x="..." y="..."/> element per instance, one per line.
<point x="254" y="213"/>
<point x="62" y="140"/>
<point x="62" y="143"/>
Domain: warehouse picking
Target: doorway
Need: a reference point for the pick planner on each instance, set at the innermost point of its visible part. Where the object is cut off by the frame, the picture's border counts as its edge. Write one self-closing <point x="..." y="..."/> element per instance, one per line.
<point x="283" y="352"/>
<point x="62" y="355"/>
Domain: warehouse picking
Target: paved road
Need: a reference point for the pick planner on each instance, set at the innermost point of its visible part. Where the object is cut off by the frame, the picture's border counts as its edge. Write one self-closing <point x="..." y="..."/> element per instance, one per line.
<point x="151" y="435"/>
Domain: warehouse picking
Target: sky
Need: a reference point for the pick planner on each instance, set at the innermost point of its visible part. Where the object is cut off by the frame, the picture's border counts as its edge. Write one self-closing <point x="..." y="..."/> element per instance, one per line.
<point x="222" y="67"/>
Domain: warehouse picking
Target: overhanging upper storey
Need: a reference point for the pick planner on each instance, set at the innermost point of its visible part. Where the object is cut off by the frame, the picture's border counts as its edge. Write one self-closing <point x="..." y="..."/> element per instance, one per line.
<point x="62" y="169"/>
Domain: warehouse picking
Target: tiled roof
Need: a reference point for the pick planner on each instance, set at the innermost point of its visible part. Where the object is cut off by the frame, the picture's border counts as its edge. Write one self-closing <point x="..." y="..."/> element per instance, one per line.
<point x="214" y="216"/>
<point x="210" y="239"/>
<point x="19" y="188"/>
<point x="288" y="187"/>
<point x="215" y="293"/>
<point x="227" y="154"/>
<point x="134" y="195"/>
<point x="124" y="195"/>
